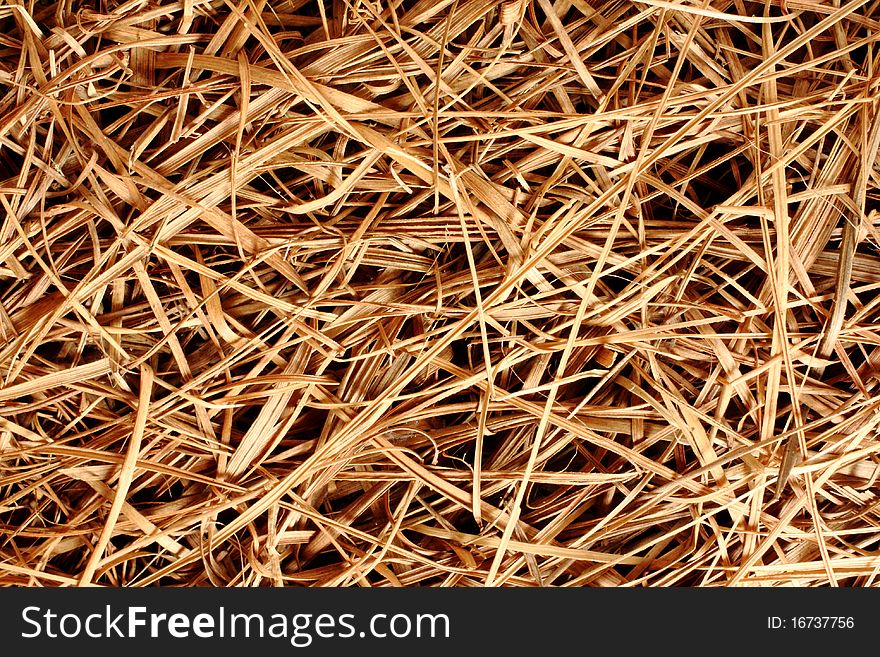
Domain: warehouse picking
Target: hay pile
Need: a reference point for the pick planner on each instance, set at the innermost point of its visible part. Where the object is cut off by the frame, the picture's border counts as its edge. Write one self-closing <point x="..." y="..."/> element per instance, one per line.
<point x="439" y="293"/>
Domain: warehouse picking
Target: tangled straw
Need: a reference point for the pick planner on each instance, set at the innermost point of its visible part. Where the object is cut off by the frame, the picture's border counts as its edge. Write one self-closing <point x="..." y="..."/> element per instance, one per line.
<point x="439" y="293"/>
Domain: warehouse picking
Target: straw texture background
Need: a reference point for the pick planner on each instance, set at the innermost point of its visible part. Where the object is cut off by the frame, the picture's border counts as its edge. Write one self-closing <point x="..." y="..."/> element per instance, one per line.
<point x="439" y="293"/>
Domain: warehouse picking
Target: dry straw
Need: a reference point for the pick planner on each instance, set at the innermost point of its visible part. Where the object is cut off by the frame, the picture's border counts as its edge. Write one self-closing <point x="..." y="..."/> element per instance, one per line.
<point x="439" y="293"/>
